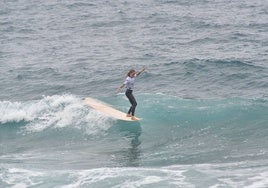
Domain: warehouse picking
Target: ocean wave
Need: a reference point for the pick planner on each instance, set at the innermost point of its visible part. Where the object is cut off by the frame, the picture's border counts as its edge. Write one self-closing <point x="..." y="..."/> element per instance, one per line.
<point x="217" y="63"/>
<point x="56" y="111"/>
<point x="210" y="78"/>
<point x="60" y="111"/>
<point x="205" y="127"/>
<point x="198" y="175"/>
<point x="176" y="141"/>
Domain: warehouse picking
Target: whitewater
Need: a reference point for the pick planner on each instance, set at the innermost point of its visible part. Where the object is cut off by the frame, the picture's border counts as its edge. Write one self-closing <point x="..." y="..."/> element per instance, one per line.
<point x="202" y="100"/>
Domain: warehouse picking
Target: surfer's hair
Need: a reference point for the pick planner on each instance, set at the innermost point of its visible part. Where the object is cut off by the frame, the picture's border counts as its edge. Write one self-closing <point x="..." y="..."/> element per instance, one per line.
<point x="130" y="72"/>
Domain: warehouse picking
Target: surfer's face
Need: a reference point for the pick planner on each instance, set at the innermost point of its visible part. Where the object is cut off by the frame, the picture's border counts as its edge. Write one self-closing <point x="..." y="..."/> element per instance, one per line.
<point x="132" y="74"/>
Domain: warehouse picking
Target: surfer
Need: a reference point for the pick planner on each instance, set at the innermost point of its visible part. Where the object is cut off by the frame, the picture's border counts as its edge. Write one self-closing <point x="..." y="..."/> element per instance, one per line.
<point x="129" y="84"/>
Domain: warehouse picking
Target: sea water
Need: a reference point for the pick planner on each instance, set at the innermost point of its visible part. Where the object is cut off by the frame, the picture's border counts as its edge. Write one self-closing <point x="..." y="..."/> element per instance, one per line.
<point x="203" y="98"/>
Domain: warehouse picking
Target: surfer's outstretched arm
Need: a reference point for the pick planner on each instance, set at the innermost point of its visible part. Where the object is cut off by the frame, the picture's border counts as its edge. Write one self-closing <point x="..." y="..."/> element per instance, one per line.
<point x="142" y="70"/>
<point x="120" y="87"/>
<point x="131" y="74"/>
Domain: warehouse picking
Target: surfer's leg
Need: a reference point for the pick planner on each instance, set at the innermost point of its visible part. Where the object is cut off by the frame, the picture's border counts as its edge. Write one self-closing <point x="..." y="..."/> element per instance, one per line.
<point x="132" y="101"/>
<point x="128" y="93"/>
<point x="129" y="112"/>
<point x="134" y="104"/>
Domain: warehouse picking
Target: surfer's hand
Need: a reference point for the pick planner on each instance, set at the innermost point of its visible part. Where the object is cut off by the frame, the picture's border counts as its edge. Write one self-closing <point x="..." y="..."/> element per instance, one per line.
<point x="120" y="87"/>
<point x="118" y="90"/>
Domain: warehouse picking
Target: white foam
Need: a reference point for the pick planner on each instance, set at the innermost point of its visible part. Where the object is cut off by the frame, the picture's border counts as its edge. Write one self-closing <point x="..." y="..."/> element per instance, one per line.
<point x="204" y="175"/>
<point x="21" y="178"/>
<point x="12" y="112"/>
<point x="56" y="111"/>
<point x="128" y="177"/>
<point x="241" y="174"/>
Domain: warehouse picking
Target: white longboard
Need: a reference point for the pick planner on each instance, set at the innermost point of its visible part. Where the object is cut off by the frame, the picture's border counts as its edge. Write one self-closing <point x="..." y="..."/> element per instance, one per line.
<point x="106" y="109"/>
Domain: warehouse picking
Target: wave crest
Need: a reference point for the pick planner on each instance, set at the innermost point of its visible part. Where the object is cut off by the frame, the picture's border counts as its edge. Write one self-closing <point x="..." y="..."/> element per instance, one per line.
<point x="56" y="111"/>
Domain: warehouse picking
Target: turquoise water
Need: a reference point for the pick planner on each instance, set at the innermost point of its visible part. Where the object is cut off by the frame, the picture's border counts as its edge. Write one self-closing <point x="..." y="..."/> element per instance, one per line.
<point x="179" y="143"/>
<point x="203" y="98"/>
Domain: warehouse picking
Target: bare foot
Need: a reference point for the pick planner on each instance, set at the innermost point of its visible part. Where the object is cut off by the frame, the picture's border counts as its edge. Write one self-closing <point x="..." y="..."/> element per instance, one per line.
<point x="134" y="118"/>
<point x="129" y="115"/>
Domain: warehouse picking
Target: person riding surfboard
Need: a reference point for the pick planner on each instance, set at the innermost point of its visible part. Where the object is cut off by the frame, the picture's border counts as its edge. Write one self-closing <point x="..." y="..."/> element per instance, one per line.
<point x="129" y="84"/>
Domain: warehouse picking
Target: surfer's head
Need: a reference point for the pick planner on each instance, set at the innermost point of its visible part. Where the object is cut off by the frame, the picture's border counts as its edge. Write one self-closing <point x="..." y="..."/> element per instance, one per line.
<point x="131" y="73"/>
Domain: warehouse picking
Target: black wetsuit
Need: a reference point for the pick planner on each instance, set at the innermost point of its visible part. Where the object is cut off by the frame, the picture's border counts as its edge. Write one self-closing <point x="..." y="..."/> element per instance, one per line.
<point x="132" y="100"/>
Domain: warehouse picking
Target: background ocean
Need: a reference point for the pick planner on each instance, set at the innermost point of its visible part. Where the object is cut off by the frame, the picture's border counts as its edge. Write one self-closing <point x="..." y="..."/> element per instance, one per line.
<point x="203" y="99"/>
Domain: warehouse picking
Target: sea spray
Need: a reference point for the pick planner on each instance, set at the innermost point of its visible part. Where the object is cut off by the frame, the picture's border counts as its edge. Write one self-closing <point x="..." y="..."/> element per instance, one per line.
<point x="56" y="111"/>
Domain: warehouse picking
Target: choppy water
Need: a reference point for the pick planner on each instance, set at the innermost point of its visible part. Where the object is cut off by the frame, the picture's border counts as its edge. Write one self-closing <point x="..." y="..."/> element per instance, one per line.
<point x="203" y="99"/>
